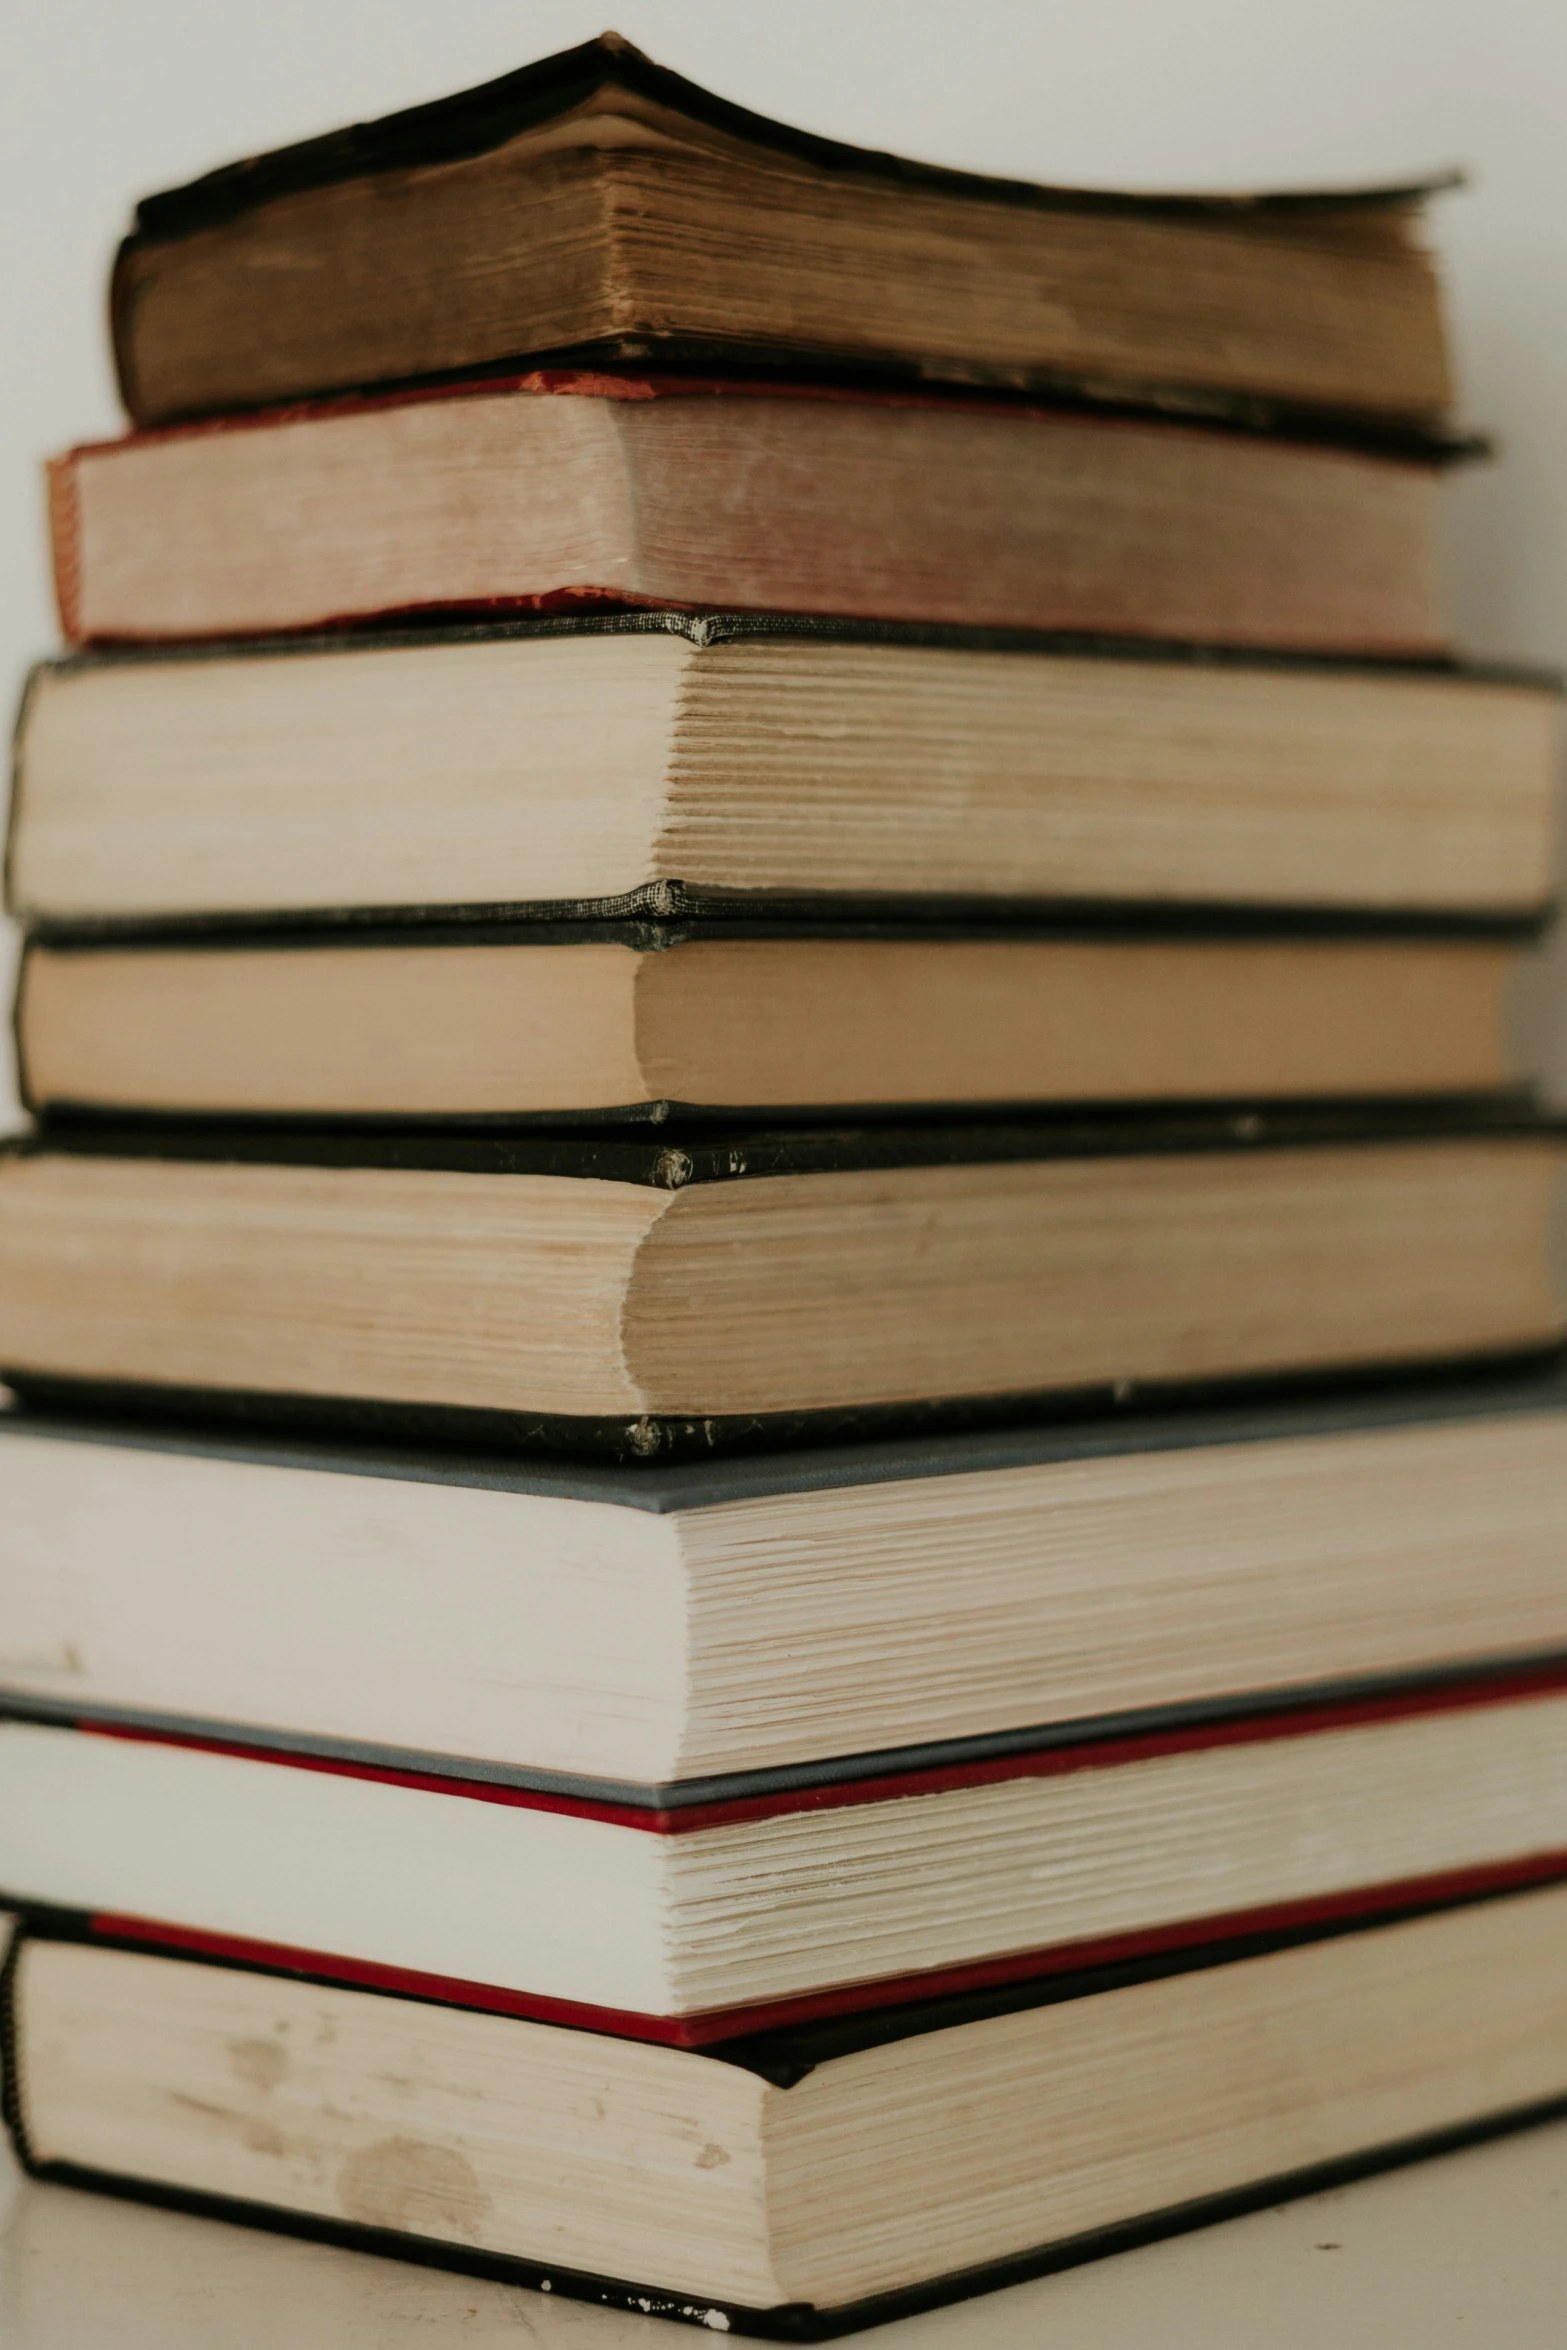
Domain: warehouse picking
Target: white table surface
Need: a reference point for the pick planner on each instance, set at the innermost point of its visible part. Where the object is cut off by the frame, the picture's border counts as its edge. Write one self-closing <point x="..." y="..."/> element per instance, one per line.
<point x="1469" y="2253"/>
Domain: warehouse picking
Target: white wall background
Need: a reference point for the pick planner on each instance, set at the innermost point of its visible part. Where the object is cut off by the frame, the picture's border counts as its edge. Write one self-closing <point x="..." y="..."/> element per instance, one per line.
<point x="101" y="100"/>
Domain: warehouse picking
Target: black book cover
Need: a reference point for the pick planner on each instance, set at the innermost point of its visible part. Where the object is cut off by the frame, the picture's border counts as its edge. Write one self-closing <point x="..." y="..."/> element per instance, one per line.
<point x="671" y="914"/>
<point x="472" y="122"/>
<point x="706" y="626"/>
<point x="1419" y="1397"/>
<point x="745" y="1153"/>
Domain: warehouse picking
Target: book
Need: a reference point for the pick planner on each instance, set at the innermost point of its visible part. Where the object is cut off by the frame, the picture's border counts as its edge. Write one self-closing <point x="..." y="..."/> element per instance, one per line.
<point x="694" y="1921"/>
<point x="667" y="764"/>
<point x="656" y="1021"/>
<point x="596" y="203"/>
<point x="804" y="2182"/>
<point x="674" y="1632"/>
<point x="643" y="1296"/>
<point x="562" y="489"/>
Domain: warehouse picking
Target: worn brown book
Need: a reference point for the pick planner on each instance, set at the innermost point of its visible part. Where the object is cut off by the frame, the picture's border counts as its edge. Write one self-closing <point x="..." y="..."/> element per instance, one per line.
<point x="673" y="764"/>
<point x="559" y="489"/>
<point x="598" y="204"/>
<point x="748" y="1282"/>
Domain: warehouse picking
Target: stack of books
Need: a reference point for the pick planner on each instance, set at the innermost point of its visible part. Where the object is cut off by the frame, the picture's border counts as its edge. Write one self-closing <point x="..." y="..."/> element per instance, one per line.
<point x="785" y="1528"/>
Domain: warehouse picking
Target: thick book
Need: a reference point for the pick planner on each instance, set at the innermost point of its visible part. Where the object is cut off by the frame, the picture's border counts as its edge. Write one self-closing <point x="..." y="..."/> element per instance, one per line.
<point x="677" y="1634"/>
<point x="596" y="203"/>
<point x="655" y="1022"/>
<point x="753" y="1284"/>
<point x="665" y="764"/>
<point x="560" y="488"/>
<point x="804" y="2182"/>
<point x="687" y="1922"/>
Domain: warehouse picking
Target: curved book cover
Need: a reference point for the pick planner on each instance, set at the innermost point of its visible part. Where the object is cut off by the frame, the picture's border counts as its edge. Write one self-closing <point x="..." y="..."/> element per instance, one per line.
<point x="1320" y="307"/>
<point x="1009" y="1223"/>
<point x="446" y="130"/>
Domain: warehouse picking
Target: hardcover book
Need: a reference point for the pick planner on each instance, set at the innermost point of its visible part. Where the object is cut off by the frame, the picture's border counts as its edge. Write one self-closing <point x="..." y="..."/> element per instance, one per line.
<point x="558" y="489"/>
<point x="666" y="764"/>
<point x="599" y="205"/>
<point x="590" y="1628"/>
<point x="751" y="1284"/>
<point x="804" y="2182"/>
<point x="659" y="1021"/>
<point x="690" y="1919"/>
